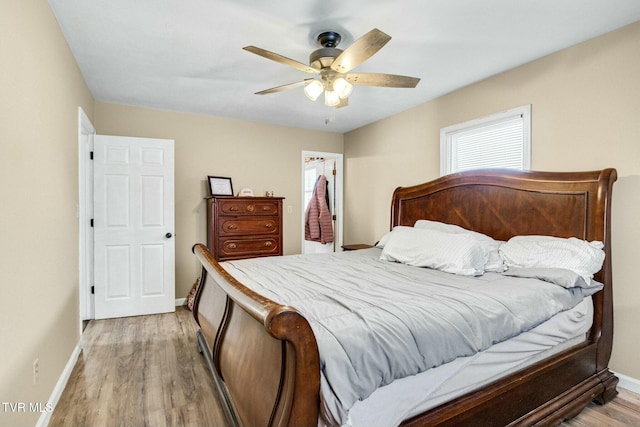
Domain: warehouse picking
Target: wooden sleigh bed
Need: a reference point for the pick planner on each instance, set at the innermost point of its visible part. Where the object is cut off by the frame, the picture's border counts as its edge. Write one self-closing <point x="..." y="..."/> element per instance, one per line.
<point x="264" y="356"/>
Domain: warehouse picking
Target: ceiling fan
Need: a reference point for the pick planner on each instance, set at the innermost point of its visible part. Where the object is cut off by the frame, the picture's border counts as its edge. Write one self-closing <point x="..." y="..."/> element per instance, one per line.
<point x="333" y="67"/>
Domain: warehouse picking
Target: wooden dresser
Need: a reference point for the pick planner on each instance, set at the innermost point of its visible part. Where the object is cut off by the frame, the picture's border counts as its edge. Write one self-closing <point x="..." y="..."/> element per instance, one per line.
<point x="244" y="227"/>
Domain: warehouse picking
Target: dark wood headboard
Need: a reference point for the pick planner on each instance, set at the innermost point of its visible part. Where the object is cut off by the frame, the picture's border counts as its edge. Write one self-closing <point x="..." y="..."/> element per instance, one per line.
<point x="505" y="203"/>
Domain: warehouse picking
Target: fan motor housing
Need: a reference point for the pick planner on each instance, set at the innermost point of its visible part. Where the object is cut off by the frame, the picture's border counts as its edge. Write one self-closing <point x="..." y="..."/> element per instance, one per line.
<point x="323" y="57"/>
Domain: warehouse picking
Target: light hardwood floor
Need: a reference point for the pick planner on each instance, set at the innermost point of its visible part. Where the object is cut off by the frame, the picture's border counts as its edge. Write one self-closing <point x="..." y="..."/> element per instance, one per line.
<point x="140" y="371"/>
<point x="146" y="371"/>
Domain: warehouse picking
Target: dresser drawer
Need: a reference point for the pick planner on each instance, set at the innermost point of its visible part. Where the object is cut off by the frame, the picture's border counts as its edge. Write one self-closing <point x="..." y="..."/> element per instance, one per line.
<point x="248" y="226"/>
<point x="245" y="207"/>
<point x="230" y="248"/>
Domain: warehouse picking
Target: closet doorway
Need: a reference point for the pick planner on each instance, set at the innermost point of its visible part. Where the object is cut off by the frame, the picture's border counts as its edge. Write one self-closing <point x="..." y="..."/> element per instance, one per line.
<point x="314" y="166"/>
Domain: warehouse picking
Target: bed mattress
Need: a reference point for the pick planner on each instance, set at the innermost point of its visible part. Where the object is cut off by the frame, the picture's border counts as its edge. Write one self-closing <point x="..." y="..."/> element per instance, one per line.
<point x="416" y="394"/>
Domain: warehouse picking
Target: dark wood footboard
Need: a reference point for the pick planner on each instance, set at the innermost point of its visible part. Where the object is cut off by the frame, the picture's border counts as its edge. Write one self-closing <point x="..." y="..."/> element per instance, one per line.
<point x="263" y="355"/>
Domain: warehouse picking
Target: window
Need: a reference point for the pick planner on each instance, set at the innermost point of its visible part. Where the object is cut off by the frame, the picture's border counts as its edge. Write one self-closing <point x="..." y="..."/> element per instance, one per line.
<point x="502" y="140"/>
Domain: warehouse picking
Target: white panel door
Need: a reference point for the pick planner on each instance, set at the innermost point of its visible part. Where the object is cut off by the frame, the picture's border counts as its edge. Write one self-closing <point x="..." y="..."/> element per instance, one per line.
<point x="134" y="245"/>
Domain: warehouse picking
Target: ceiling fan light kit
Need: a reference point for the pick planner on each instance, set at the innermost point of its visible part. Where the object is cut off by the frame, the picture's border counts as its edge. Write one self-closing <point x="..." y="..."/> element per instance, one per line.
<point x="313" y="89"/>
<point x="343" y="87"/>
<point x="333" y="65"/>
<point x="331" y="98"/>
<point x="333" y="85"/>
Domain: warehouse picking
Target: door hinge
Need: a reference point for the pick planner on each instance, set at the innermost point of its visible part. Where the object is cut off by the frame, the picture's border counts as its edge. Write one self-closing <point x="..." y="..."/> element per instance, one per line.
<point x="91" y="155"/>
<point x="334" y="218"/>
<point x="93" y="289"/>
<point x="91" y="222"/>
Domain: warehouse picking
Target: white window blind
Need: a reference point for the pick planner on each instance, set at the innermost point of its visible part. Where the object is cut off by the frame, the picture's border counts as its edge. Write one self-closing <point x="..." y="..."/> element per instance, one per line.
<point x="500" y="140"/>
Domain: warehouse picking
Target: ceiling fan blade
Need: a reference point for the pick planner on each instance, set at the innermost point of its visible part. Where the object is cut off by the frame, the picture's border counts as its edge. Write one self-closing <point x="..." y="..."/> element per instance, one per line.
<point x="382" y="80"/>
<point x="361" y="50"/>
<point x="281" y="59"/>
<point x="343" y="103"/>
<point x="284" y="87"/>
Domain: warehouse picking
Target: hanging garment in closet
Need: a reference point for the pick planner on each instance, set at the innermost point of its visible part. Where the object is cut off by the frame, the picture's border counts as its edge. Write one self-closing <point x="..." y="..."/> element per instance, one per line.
<point x="318" y="226"/>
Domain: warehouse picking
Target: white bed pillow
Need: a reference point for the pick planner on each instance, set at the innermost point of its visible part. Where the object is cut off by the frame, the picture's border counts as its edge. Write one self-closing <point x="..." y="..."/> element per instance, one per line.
<point x="582" y="257"/>
<point x="494" y="260"/>
<point x="383" y="241"/>
<point x="455" y="253"/>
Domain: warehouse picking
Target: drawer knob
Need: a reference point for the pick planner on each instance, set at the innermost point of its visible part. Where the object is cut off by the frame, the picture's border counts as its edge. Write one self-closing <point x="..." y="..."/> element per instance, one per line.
<point x="232" y="246"/>
<point x="233" y="208"/>
<point x="266" y="208"/>
<point x="232" y="226"/>
<point x="251" y="208"/>
<point x="268" y="225"/>
<point x="268" y="244"/>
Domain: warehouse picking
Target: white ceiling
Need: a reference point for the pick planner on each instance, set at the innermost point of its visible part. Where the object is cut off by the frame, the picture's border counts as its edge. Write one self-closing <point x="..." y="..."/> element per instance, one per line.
<point x="186" y="55"/>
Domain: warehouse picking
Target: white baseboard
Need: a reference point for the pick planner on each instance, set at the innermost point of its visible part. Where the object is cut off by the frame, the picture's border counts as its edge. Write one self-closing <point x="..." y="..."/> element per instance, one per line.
<point x="628" y="383"/>
<point x="180" y="302"/>
<point x="43" y="421"/>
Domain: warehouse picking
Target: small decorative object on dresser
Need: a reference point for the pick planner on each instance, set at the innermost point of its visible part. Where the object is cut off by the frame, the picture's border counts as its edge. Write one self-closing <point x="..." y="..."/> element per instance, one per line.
<point x="244" y="227"/>
<point x="245" y="192"/>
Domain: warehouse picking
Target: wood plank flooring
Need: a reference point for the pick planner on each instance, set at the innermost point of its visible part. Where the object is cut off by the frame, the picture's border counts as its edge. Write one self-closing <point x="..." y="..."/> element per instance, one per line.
<point x="140" y="371"/>
<point x="146" y="371"/>
<point x="622" y="411"/>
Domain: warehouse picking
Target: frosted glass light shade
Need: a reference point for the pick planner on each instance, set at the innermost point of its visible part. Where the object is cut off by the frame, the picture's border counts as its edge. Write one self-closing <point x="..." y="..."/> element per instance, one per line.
<point x="331" y="98"/>
<point x="342" y="87"/>
<point x="314" y="89"/>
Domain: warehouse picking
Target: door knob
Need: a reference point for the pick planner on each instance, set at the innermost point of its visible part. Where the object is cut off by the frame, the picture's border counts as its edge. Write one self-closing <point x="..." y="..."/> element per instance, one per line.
<point x="168" y="235"/>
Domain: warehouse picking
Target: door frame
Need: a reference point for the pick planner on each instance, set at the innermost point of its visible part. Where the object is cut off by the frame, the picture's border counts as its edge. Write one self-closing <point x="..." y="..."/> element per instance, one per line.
<point x="339" y="181"/>
<point x="86" y="134"/>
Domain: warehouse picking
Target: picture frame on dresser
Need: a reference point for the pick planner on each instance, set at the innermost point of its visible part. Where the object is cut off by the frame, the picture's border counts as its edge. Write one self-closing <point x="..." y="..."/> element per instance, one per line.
<point x="220" y="186"/>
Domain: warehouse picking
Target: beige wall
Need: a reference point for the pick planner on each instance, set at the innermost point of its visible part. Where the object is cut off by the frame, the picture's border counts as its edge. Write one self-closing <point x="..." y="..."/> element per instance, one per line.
<point x="41" y="89"/>
<point x="261" y="157"/>
<point x="585" y="115"/>
<point x="585" y="112"/>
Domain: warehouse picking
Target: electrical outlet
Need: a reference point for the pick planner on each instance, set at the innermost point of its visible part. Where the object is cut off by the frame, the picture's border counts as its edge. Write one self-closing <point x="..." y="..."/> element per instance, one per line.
<point x="36" y="370"/>
<point x="289" y="209"/>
